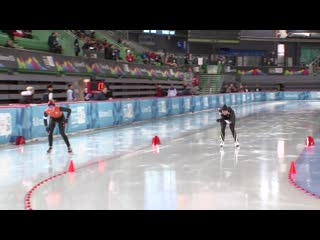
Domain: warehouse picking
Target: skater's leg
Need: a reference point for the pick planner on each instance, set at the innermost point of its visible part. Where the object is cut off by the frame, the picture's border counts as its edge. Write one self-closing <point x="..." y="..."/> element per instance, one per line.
<point x="233" y="131"/>
<point x="234" y="134"/>
<point x="223" y="132"/>
<point x="62" y="133"/>
<point x="52" y="125"/>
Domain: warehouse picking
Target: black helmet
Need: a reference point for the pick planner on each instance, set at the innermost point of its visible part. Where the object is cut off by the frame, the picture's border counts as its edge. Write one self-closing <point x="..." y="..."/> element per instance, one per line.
<point x="52" y="103"/>
<point x="224" y="108"/>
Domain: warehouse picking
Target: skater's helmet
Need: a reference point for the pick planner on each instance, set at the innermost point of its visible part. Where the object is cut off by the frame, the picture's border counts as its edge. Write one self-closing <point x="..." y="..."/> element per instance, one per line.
<point x="51" y="103"/>
<point x="224" y="108"/>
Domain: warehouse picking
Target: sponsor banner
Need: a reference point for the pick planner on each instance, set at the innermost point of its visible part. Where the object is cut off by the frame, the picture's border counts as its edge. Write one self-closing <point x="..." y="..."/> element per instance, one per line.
<point x="41" y="61"/>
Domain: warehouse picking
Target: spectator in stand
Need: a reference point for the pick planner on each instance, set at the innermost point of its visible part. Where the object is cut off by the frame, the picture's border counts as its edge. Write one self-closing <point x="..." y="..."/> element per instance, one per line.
<point x="172" y="91"/>
<point x="10" y="33"/>
<point x="186" y="91"/>
<point x="87" y="45"/>
<point x="10" y="44"/>
<point x="104" y="94"/>
<point x="241" y="88"/>
<point x="105" y="43"/>
<point x="87" y="96"/>
<point x="257" y="89"/>
<point x="159" y="91"/>
<point x="195" y="90"/>
<point x="99" y="45"/>
<point x="174" y="61"/>
<point x="18" y="33"/>
<point x="281" y="87"/>
<point x="195" y="81"/>
<point x="145" y="57"/>
<point x="115" y="53"/>
<point x="152" y="57"/>
<point x="27" y="96"/>
<point x="186" y="59"/>
<point x="70" y="94"/>
<point x="231" y="89"/>
<point x="158" y="60"/>
<point x="48" y="96"/>
<point x="76" y="47"/>
<point x="83" y="32"/>
<point x="224" y="88"/>
<point x="53" y="44"/>
<point x="93" y="35"/>
<point x="27" y="33"/>
<point x="246" y="89"/>
<point x="130" y="57"/>
<point x="108" y="52"/>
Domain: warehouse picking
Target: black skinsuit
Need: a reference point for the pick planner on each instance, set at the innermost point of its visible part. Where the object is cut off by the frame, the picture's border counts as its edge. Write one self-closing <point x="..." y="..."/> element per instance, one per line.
<point x="230" y="117"/>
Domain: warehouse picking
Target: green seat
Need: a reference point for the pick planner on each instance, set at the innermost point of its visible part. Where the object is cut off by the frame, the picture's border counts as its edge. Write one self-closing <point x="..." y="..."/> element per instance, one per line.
<point x="3" y="39"/>
<point x="32" y="44"/>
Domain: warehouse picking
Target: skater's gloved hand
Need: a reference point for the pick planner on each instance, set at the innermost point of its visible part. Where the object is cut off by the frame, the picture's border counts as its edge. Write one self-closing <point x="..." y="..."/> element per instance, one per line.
<point x="227" y="121"/>
<point x="218" y="120"/>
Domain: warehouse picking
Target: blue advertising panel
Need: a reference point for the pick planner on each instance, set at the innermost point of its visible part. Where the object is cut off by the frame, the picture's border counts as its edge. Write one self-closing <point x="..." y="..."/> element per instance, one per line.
<point x="257" y="96"/>
<point x="145" y="111"/>
<point x="220" y="100"/>
<point x="233" y="99"/>
<point x="161" y="107"/>
<point x="27" y="122"/>
<point x="205" y="102"/>
<point x="244" y="97"/>
<point x="314" y="95"/>
<point x="128" y="110"/>
<point x="272" y="96"/>
<point x="186" y="104"/>
<point x="175" y="106"/>
<point x="38" y="129"/>
<point x="239" y="98"/>
<point x="227" y="99"/>
<point x="290" y="96"/>
<point x="213" y="101"/>
<point x="196" y="103"/>
<point x="79" y="117"/>
<point x="10" y="123"/>
<point x="103" y="113"/>
<point x="251" y="97"/>
<point x="304" y="95"/>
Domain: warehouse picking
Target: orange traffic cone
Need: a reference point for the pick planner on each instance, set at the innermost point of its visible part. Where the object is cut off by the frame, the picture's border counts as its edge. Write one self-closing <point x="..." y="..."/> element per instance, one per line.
<point x="292" y="168"/>
<point x="71" y="167"/>
<point x="155" y="140"/>
<point x="20" y="140"/>
<point x="309" y="141"/>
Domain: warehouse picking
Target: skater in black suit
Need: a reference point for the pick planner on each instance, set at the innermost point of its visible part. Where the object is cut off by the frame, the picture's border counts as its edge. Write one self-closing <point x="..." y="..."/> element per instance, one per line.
<point x="227" y="117"/>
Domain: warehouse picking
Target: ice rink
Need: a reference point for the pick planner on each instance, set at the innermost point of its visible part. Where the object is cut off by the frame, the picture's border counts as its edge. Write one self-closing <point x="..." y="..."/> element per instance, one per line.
<point x="116" y="168"/>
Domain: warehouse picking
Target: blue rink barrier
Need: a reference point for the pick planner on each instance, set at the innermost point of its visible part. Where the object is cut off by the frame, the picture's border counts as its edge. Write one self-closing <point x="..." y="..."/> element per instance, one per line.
<point x="27" y="120"/>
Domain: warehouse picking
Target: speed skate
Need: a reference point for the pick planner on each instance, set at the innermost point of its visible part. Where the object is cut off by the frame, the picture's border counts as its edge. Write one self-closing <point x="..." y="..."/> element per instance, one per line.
<point x="236" y="144"/>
